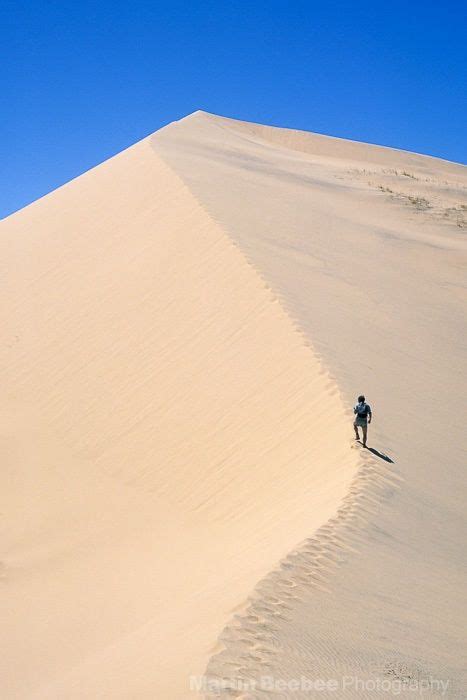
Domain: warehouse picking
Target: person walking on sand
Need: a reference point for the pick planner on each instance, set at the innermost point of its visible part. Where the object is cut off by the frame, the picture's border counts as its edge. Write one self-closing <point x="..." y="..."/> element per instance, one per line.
<point x="362" y="418"/>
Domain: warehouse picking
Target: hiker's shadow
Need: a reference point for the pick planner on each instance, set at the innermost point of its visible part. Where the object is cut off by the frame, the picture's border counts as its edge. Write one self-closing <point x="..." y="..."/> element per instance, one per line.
<point x="381" y="455"/>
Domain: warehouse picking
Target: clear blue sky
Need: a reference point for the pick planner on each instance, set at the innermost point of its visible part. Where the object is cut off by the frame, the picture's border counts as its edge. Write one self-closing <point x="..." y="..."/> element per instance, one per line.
<point x="82" y="80"/>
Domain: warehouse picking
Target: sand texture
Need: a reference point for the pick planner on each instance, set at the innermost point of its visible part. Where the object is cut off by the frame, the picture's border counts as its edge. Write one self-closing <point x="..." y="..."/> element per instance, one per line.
<point x="185" y="329"/>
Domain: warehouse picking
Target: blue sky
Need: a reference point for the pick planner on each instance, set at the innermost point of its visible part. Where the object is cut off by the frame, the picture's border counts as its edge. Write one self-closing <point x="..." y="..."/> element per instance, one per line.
<point x="82" y="80"/>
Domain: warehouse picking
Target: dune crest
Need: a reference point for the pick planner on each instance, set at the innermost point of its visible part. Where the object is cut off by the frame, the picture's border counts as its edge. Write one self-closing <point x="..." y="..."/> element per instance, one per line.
<point x="365" y="248"/>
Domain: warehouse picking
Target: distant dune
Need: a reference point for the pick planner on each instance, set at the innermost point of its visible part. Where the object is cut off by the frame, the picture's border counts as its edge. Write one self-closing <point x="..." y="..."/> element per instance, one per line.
<point x="185" y="511"/>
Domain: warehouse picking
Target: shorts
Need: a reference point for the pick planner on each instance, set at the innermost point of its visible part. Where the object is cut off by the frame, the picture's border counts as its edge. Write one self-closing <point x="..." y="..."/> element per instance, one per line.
<point x="360" y="422"/>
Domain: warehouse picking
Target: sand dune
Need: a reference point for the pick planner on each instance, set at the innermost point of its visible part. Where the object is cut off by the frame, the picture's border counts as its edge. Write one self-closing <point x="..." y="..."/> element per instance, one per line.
<point x="185" y="329"/>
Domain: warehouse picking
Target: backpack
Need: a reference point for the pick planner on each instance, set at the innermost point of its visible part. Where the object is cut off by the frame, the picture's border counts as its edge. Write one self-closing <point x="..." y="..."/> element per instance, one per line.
<point x="363" y="410"/>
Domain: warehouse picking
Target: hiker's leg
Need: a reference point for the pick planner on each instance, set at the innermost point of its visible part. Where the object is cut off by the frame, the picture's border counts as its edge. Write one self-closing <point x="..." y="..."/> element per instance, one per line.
<point x="357" y="436"/>
<point x="364" y="430"/>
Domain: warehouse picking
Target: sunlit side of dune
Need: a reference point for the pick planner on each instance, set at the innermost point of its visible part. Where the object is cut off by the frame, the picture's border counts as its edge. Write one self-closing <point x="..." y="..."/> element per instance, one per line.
<point x="168" y="435"/>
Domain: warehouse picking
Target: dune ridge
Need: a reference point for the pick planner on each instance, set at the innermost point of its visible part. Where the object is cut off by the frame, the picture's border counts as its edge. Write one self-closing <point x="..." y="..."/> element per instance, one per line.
<point x="364" y="247"/>
<point x="246" y="645"/>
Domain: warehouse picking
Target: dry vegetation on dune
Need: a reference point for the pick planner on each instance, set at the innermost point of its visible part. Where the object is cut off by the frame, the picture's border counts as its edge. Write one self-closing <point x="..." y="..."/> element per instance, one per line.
<point x="446" y="200"/>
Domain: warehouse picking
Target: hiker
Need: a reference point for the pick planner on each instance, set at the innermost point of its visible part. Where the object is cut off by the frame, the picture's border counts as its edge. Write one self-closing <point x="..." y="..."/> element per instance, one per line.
<point x="362" y="418"/>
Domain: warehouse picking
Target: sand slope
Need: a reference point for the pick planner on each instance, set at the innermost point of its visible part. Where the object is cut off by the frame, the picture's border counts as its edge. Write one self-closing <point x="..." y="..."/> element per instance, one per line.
<point x="168" y="436"/>
<point x="185" y="329"/>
